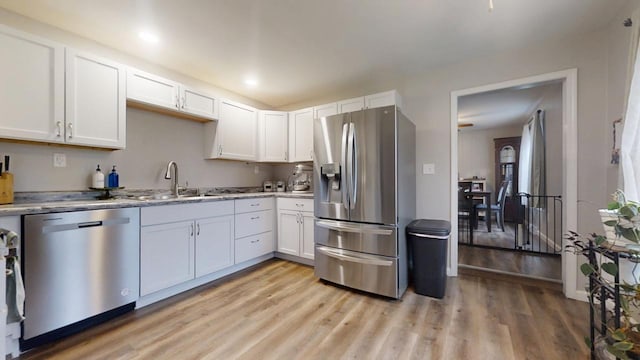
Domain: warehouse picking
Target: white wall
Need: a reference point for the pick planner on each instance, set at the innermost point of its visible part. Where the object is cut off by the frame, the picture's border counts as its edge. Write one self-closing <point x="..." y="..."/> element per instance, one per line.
<point x="476" y="152"/>
<point x="152" y="139"/>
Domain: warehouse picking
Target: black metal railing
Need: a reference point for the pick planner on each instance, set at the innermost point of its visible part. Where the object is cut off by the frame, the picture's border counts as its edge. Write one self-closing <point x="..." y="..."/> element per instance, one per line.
<point x="539" y="219"/>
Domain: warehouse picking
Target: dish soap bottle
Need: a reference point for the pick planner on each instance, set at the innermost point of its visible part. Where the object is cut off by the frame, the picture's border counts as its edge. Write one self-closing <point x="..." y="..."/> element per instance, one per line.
<point x="113" y="181"/>
<point x="98" y="178"/>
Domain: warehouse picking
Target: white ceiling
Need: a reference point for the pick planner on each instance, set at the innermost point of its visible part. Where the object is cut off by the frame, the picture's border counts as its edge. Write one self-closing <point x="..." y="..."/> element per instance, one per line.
<point x="501" y="108"/>
<point x="302" y="50"/>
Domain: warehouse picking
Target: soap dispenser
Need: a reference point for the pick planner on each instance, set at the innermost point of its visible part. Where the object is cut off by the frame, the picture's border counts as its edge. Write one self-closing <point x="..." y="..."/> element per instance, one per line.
<point x="113" y="180"/>
<point x="98" y="178"/>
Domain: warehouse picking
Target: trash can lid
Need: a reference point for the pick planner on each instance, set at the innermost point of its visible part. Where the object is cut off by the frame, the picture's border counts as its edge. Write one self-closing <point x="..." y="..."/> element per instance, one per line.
<point x="430" y="227"/>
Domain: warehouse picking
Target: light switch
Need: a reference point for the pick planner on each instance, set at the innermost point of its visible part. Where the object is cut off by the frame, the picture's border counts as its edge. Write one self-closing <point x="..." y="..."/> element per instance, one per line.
<point x="59" y="160"/>
<point x="428" y="169"/>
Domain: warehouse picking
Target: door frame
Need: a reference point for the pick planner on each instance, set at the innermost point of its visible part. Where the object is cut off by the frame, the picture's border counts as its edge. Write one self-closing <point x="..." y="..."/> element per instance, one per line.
<point x="569" y="79"/>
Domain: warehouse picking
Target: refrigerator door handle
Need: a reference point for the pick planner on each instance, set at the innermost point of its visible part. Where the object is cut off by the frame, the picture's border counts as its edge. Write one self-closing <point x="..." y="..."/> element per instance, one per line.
<point x="362" y="260"/>
<point x="361" y="229"/>
<point x="345" y="175"/>
<point x="354" y="169"/>
<point x="350" y="165"/>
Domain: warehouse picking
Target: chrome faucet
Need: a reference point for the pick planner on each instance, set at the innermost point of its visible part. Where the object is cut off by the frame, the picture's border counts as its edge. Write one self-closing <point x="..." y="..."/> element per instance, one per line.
<point x="174" y="179"/>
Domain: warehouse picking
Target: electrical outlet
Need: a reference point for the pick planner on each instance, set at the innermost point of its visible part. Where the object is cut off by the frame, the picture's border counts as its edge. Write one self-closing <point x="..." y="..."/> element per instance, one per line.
<point x="59" y="160"/>
<point x="428" y="169"/>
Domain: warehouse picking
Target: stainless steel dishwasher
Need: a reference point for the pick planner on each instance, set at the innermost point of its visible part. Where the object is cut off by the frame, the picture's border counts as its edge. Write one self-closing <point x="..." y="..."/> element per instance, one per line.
<point x="80" y="268"/>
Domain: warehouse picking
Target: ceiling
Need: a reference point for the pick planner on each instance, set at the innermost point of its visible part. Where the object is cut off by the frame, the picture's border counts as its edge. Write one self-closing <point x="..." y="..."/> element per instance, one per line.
<point x="301" y="50"/>
<point x="500" y="108"/>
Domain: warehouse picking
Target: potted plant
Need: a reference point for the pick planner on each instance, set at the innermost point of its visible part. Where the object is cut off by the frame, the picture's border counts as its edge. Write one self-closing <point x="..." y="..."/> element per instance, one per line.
<point x="621" y="222"/>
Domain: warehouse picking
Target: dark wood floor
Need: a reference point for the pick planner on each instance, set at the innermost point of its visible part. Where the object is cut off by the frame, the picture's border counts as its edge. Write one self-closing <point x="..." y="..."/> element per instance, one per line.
<point x="279" y="310"/>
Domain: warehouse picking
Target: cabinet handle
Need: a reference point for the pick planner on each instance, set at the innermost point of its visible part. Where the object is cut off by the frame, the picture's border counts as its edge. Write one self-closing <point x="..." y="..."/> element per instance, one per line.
<point x="182" y="103"/>
<point x="220" y="150"/>
<point x="299" y="205"/>
<point x="299" y="221"/>
<point x="311" y="154"/>
<point x="286" y="154"/>
<point x="255" y="218"/>
<point x="191" y="226"/>
<point x="255" y="241"/>
<point x="70" y="126"/>
<point x="177" y="102"/>
<point x="257" y="204"/>
<point x="59" y="128"/>
<point x="198" y="229"/>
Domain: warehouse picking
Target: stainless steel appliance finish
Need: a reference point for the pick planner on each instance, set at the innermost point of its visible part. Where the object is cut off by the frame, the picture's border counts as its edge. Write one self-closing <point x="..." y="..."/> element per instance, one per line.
<point x="364" y="171"/>
<point x="78" y="265"/>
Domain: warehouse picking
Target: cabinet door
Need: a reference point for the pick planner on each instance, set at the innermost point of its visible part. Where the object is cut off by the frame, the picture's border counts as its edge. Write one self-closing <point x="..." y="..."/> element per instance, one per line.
<point x="166" y="255"/>
<point x="273" y="136"/>
<point x="350" y="105"/>
<point x="95" y="101"/>
<point x="306" y="242"/>
<point x="325" y="110"/>
<point x="301" y="135"/>
<point x="214" y="244"/>
<point x="197" y="103"/>
<point x="381" y="99"/>
<point x="289" y="232"/>
<point x="153" y="90"/>
<point x="32" y="87"/>
<point x="237" y="131"/>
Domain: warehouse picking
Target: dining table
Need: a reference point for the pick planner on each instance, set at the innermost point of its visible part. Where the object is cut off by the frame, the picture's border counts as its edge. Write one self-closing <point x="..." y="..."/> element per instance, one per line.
<point x="487" y="201"/>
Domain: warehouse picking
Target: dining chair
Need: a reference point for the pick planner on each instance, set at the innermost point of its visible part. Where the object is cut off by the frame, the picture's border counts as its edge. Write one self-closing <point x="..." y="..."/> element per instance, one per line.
<point x="498" y="208"/>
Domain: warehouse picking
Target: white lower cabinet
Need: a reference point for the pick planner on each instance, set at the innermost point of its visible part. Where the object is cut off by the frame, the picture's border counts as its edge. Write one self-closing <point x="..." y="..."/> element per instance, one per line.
<point x="214" y="244"/>
<point x="254" y="228"/>
<point x="295" y="227"/>
<point x="181" y="242"/>
<point x="166" y="255"/>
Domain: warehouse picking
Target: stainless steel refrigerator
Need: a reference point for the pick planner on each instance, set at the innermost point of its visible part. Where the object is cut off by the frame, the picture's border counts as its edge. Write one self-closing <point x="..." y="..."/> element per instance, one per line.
<point x="364" y="191"/>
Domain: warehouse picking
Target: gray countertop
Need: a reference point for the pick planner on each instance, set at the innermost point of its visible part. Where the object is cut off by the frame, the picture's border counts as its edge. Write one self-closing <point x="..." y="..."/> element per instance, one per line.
<point x="79" y="205"/>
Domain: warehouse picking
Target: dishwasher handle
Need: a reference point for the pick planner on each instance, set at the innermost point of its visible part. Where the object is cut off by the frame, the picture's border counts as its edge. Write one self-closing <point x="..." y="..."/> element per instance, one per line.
<point x="89" y="224"/>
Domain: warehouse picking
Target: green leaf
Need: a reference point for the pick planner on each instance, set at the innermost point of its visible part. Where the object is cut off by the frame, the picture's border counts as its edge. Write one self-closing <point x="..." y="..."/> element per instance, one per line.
<point x="619" y="335"/>
<point x="629" y="233"/>
<point x="600" y="239"/>
<point x="623" y="345"/>
<point x="611" y="222"/>
<point x="587" y="341"/>
<point x="628" y="211"/>
<point x="617" y="353"/>
<point x="624" y="303"/>
<point x="613" y="205"/>
<point x="587" y="269"/>
<point x="610" y="268"/>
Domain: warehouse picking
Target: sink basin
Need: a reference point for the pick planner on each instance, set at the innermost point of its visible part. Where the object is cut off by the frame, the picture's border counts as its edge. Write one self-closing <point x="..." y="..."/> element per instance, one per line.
<point x="155" y="197"/>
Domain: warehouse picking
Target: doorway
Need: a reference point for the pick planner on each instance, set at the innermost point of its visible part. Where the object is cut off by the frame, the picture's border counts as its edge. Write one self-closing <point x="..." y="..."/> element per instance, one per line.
<point x="510" y="182"/>
<point x="568" y="79"/>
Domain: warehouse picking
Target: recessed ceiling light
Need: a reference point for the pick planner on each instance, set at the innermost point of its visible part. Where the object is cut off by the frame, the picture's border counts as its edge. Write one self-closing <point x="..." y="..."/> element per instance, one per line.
<point x="149" y="37"/>
<point x="252" y="82"/>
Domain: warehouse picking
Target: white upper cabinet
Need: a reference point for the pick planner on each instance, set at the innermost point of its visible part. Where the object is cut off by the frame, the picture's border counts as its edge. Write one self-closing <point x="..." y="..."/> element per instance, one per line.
<point x="325" y="110"/>
<point x="272" y="137"/>
<point x="355" y="104"/>
<point x="166" y="94"/>
<point x="197" y="103"/>
<point x="369" y="102"/>
<point x="382" y="99"/>
<point x="301" y="135"/>
<point x="234" y="136"/>
<point x="32" y="87"/>
<point x="95" y="101"/>
<point x="152" y="90"/>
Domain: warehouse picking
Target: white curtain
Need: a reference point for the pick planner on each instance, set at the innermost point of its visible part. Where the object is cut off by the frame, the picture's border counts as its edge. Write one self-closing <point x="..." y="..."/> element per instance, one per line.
<point x="630" y="147"/>
<point x="524" y="163"/>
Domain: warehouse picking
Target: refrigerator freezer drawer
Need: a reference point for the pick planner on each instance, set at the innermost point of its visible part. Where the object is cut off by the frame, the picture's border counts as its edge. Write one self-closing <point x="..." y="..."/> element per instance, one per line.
<point x="372" y="239"/>
<point x="371" y="273"/>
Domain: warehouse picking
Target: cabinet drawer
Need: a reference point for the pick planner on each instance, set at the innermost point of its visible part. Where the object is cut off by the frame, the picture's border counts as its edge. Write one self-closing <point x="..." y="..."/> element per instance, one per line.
<point x="295" y="204"/>
<point x="255" y="204"/>
<point x="253" y="246"/>
<point x="253" y="223"/>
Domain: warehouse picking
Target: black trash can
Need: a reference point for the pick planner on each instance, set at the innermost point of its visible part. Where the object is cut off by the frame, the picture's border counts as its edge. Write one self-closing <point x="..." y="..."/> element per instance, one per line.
<point x="428" y="243"/>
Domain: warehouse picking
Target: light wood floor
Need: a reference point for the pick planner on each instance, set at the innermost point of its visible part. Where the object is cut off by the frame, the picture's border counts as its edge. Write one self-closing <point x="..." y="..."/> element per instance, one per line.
<point x="544" y="266"/>
<point x="279" y="310"/>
